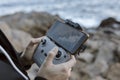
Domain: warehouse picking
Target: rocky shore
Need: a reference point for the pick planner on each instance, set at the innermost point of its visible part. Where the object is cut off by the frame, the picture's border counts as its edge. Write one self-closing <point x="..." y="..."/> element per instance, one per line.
<point x="101" y="59"/>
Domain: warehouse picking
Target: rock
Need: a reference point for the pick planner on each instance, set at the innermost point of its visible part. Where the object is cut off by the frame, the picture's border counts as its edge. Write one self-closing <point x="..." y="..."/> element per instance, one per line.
<point x="93" y="44"/>
<point x="86" y="56"/>
<point x="79" y="76"/>
<point x="96" y="69"/>
<point x="35" y="23"/>
<point x="103" y="57"/>
<point x="6" y="30"/>
<point x="114" y="72"/>
<point x="98" y="78"/>
<point x="110" y="23"/>
<point x="19" y="39"/>
<point x="117" y="54"/>
<point x="119" y="49"/>
<point x="106" y="51"/>
<point x="117" y="32"/>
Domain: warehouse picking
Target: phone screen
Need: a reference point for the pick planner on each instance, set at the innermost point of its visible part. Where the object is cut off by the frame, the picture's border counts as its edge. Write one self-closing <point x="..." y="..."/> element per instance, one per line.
<point x="66" y="36"/>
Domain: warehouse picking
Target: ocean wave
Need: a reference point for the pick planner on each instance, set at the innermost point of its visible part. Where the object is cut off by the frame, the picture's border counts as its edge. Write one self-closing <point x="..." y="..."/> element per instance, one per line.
<point x="88" y="13"/>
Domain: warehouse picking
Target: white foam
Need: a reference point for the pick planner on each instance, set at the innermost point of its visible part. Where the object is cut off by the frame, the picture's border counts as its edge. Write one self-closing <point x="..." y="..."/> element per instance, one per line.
<point x="87" y="22"/>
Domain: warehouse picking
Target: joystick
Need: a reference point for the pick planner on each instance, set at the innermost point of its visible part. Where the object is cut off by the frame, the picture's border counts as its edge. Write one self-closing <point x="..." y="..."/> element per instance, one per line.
<point x="43" y="41"/>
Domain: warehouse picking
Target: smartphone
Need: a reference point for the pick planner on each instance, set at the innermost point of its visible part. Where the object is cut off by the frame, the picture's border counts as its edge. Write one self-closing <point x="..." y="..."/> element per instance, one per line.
<point x="67" y="37"/>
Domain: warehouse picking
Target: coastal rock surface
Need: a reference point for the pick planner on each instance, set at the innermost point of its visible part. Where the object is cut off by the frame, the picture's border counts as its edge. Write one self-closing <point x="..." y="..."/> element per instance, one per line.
<point x="110" y="23"/>
<point x="101" y="59"/>
<point x="34" y="23"/>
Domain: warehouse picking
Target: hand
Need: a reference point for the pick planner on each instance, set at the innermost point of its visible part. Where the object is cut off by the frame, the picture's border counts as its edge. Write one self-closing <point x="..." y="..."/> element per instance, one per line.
<point x="51" y="71"/>
<point x="28" y="53"/>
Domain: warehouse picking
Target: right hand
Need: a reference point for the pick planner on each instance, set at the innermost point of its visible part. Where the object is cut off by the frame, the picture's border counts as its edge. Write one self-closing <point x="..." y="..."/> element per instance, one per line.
<point x="51" y="71"/>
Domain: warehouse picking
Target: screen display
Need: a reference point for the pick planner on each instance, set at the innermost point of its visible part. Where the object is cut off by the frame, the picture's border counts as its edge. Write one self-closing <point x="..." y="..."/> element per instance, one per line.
<point x="66" y="36"/>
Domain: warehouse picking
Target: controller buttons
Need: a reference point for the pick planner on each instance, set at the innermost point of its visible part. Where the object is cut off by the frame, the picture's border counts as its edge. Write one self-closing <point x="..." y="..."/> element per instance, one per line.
<point x="45" y="54"/>
<point x="42" y="51"/>
<point x="59" y="55"/>
<point x="65" y="56"/>
<point x="43" y="42"/>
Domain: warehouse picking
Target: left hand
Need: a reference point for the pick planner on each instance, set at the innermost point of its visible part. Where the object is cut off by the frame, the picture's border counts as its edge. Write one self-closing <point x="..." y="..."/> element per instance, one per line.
<point x="29" y="51"/>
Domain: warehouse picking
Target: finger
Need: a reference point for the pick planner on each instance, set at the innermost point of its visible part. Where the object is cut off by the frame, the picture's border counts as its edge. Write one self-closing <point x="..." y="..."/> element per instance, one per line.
<point x="69" y="72"/>
<point x="33" y="42"/>
<point x="29" y="51"/>
<point x="69" y="64"/>
<point x="51" y="55"/>
<point x="36" y="40"/>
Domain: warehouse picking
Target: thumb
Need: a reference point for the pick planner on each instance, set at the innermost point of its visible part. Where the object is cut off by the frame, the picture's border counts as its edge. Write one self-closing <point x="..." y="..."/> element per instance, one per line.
<point x="51" y="55"/>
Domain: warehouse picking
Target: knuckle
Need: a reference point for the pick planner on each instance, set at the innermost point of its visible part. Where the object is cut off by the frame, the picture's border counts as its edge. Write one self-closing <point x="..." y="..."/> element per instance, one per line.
<point x="65" y="70"/>
<point x="32" y="40"/>
<point x="27" y="48"/>
<point x="51" y="53"/>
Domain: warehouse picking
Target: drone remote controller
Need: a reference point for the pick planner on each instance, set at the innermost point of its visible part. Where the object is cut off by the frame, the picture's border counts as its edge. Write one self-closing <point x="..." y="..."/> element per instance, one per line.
<point x="66" y="37"/>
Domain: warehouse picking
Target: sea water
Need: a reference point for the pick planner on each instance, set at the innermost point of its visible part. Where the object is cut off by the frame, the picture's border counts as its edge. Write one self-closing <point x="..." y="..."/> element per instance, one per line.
<point x="88" y="13"/>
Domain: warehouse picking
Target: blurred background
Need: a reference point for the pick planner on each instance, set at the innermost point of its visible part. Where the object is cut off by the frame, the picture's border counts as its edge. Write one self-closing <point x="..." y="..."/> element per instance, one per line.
<point x="82" y="11"/>
<point x="21" y="20"/>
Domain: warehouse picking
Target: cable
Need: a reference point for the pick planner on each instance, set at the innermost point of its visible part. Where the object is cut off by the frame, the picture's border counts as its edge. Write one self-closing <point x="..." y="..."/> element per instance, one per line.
<point x="12" y="63"/>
